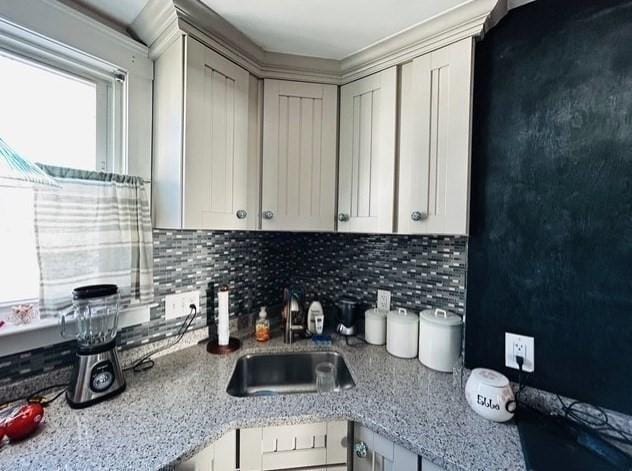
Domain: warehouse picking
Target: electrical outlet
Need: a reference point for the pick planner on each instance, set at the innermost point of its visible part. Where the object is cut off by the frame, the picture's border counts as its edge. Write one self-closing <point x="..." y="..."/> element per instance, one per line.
<point x="519" y="345"/>
<point x="177" y="305"/>
<point x="383" y="300"/>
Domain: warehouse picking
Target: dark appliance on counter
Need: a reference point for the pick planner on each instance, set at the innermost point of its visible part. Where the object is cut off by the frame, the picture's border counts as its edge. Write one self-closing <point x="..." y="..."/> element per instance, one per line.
<point x="347" y="317"/>
<point x="555" y="442"/>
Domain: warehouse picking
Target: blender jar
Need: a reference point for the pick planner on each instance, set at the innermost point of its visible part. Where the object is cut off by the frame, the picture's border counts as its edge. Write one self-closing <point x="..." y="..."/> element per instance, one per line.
<point x="95" y="311"/>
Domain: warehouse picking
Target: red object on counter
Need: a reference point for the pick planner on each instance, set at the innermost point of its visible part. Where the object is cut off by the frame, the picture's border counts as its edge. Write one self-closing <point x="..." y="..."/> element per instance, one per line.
<point x="2" y="431"/>
<point x="24" y="421"/>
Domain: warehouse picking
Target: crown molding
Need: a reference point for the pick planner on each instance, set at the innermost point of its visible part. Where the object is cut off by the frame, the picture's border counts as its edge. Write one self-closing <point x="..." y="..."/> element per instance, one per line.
<point x="469" y="19"/>
<point x="161" y="21"/>
<point x="74" y="30"/>
<point x="155" y="21"/>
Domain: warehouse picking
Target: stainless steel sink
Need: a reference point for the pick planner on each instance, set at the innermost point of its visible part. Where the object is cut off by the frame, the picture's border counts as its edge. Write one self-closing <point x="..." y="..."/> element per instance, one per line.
<point x="264" y="374"/>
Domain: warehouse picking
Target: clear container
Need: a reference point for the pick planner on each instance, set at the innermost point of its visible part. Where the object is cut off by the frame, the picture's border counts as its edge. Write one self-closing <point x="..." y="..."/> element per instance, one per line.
<point x="325" y="377"/>
<point x="95" y="312"/>
<point x="262" y="326"/>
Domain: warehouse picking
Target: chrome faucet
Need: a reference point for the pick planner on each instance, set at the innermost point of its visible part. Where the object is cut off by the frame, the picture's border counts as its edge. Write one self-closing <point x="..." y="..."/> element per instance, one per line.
<point x="291" y="309"/>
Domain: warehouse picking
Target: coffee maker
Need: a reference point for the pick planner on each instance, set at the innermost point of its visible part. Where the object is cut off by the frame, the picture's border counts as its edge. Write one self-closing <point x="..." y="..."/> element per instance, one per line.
<point x="347" y="317"/>
<point x="97" y="373"/>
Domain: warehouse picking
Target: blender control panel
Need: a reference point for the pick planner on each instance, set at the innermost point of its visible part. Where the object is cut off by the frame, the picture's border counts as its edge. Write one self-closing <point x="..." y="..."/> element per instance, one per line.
<point x="102" y="376"/>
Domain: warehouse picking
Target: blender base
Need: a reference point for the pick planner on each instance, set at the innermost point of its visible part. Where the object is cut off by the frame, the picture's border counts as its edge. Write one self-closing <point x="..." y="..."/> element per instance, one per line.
<point x="97" y="376"/>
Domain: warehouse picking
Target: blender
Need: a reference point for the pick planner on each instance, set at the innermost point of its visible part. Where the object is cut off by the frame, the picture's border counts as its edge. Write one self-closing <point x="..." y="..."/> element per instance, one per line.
<point x="97" y="373"/>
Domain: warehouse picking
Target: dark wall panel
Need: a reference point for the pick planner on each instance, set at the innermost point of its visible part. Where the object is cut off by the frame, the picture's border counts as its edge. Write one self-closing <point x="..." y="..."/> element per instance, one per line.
<point x="550" y="252"/>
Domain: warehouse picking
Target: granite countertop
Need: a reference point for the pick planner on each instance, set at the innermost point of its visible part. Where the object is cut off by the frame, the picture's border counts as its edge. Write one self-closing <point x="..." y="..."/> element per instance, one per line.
<point x="174" y="410"/>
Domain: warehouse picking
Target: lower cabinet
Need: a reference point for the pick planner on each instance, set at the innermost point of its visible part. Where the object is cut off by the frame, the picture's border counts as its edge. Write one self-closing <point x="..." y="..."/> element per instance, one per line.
<point x="373" y="452"/>
<point x="320" y="446"/>
<point x="311" y="446"/>
<point x="219" y="456"/>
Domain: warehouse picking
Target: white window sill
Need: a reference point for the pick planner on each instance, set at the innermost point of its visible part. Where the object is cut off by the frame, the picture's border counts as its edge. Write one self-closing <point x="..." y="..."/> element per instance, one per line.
<point x="42" y="333"/>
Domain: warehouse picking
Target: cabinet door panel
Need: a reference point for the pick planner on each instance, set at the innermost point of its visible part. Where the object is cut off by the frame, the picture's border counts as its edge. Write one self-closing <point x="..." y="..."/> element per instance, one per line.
<point x="299" y="155"/>
<point x="216" y="147"/>
<point x="367" y="154"/>
<point x="435" y="141"/>
<point x="382" y="455"/>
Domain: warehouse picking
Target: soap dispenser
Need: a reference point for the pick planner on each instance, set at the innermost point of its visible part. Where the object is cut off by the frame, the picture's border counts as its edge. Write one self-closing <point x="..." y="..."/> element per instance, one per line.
<point x="262" y="327"/>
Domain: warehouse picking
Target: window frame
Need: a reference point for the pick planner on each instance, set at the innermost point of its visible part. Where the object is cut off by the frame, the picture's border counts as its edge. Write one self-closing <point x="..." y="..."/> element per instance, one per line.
<point x="111" y="90"/>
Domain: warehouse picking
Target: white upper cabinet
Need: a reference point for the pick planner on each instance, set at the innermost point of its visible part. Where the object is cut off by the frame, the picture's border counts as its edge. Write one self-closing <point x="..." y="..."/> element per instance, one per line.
<point x="299" y="156"/>
<point x="216" y="142"/>
<point x="206" y="159"/>
<point x="435" y="117"/>
<point x="367" y="154"/>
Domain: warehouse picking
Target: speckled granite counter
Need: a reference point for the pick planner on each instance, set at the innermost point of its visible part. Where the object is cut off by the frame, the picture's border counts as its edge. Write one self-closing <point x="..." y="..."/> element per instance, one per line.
<point x="174" y="410"/>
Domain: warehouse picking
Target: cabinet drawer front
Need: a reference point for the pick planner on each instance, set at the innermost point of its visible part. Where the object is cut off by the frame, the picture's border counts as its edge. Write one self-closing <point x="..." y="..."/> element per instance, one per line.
<point x="293" y="437"/>
<point x="294" y="459"/>
<point x="299" y="155"/>
<point x="367" y="154"/>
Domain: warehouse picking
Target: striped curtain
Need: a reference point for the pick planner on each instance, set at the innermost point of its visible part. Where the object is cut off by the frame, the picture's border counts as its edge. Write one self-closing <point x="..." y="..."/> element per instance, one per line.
<point x="95" y="229"/>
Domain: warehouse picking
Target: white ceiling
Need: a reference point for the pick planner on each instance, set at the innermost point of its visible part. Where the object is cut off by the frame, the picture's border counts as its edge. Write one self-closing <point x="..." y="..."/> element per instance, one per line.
<point x="322" y="28"/>
<point x="325" y="28"/>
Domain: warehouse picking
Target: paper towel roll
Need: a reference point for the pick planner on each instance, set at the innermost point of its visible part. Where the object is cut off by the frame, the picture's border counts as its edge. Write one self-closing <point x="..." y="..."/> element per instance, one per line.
<point x="223" y="327"/>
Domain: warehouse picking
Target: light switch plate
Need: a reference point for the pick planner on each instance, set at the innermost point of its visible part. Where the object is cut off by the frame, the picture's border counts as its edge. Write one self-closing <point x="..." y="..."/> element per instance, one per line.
<point x="177" y="305"/>
<point x="523" y="346"/>
<point x="383" y="300"/>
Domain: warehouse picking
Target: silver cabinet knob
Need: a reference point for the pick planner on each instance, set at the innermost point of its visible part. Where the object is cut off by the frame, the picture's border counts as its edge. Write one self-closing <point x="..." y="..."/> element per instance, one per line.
<point x="360" y="449"/>
<point x="418" y="216"/>
<point x="342" y="217"/>
<point x="268" y="215"/>
<point x="241" y="214"/>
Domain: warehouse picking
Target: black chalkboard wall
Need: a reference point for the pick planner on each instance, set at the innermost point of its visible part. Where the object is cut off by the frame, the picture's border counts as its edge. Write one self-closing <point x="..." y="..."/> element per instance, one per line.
<point x="550" y="251"/>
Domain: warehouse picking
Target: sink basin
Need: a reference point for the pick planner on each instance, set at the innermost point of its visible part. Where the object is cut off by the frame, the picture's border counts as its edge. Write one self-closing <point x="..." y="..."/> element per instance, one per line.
<point x="265" y="374"/>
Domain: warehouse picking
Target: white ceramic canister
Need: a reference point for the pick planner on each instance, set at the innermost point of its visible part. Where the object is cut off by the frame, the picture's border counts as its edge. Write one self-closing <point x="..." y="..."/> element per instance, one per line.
<point x="489" y="393"/>
<point x="402" y="331"/>
<point x="440" y="334"/>
<point x="375" y="326"/>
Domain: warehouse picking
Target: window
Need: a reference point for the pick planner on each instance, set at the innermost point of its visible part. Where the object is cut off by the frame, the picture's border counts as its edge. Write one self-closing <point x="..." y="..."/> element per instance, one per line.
<point x="61" y="116"/>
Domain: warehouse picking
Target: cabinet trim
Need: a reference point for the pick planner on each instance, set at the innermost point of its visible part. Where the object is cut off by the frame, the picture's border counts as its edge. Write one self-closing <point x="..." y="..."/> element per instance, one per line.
<point x="156" y="23"/>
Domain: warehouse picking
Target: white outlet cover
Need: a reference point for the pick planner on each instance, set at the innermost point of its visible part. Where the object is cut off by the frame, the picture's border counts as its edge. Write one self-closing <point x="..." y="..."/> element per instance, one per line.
<point x="383" y="300"/>
<point x="515" y="343"/>
<point x="177" y="305"/>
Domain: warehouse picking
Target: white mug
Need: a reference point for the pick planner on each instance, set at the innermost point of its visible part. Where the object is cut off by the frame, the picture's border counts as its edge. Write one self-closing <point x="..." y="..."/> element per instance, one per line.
<point x="490" y="395"/>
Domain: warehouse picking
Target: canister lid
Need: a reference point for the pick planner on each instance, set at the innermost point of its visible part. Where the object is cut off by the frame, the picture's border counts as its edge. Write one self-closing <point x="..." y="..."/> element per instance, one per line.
<point x="375" y="314"/>
<point x="94" y="291"/>
<point x="490" y="377"/>
<point x="441" y="317"/>
<point x="401" y="316"/>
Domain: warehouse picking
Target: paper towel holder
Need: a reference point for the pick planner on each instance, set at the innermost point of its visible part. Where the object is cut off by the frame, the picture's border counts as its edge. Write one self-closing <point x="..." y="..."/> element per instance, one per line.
<point x="216" y="349"/>
<point x="234" y="343"/>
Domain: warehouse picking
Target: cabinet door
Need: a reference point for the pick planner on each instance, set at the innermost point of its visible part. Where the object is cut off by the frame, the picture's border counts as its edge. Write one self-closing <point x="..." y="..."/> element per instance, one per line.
<point x="216" y="163"/>
<point x="218" y="456"/>
<point x="434" y="168"/>
<point x="382" y="454"/>
<point x="299" y="156"/>
<point x="367" y="154"/>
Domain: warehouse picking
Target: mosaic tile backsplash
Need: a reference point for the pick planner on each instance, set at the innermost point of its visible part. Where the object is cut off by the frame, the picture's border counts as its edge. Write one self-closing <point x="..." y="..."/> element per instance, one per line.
<point x="420" y="271"/>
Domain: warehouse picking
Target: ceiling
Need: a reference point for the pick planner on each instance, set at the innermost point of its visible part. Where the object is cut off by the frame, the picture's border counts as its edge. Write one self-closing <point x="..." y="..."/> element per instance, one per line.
<point x="325" y="28"/>
<point x="322" y="28"/>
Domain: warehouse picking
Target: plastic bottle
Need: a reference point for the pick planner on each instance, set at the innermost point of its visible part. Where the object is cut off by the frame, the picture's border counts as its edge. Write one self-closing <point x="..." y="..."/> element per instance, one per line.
<point x="262" y="327"/>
